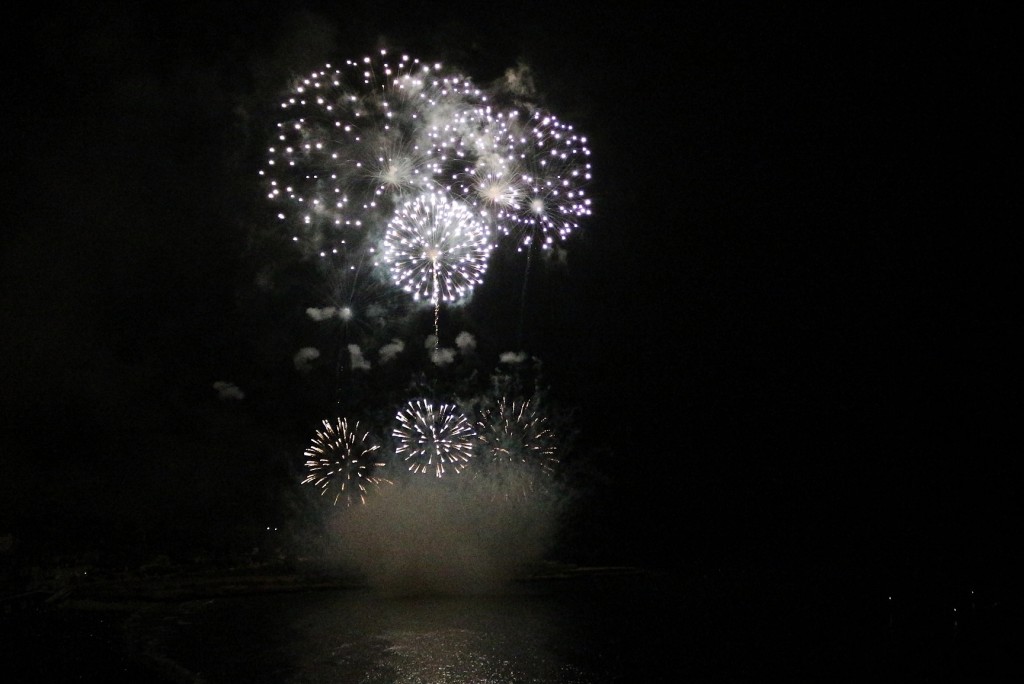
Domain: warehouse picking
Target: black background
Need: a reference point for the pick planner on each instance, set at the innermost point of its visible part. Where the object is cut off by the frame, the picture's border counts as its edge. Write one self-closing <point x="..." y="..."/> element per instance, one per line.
<point x="786" y="330"/>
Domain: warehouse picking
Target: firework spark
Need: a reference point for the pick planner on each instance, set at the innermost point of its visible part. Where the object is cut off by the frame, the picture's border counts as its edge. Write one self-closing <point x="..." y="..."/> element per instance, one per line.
<point x="432" y="438"/>
<point x="341" y="461"/>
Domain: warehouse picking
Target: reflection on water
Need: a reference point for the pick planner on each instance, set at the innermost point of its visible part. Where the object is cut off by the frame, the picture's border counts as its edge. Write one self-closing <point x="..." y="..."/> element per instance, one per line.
<point x="592" y="627"/>
<point x="599" y="630"/>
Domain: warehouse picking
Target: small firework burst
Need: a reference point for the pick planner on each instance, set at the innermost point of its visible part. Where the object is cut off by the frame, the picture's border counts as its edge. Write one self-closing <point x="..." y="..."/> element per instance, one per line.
<point x="516" y="432"/>
<point x="358" y="294"/>
<point x="395" y="168"/>
<point x="517" y="450"/>
<point x="341" y="461"/>
<point x="493" y="182"/>
<point x="433" y="438"/>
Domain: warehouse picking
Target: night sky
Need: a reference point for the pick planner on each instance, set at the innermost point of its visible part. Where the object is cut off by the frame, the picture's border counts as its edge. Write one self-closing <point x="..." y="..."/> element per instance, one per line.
<point x="784" y="334"/>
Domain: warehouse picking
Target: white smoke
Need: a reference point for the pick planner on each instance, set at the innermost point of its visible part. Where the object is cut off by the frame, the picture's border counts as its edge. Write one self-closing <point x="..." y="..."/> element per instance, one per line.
<point x="465" y="341"/>
<point x="519" y="81"/>
<point x="323" y="314"/>
<point x="304" y="358"/>
<point x="228" y="390"/>
<point x="512" y="357"/>
<point x="390" y="350"/>
<point x="450" y="535"/>
<point x="357" y="359"/>
<point x="442" y="356"/>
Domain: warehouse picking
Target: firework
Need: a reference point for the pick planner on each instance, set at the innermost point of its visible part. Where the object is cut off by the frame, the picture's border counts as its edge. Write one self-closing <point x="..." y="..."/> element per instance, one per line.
<point x="436" y="248"/>
<point x="493" y="182"/>
<point x="529" y="176"/>
<point x="516" y="432"/>
<point x="402" y="176"/>
<point x="358" y="294"/>
<point x="433" y="438"/>
<point x="356" y="139"/>
<point x="552" y="165"/>
<point x="341" y="461"/>
<point x="517" y="451"/>
<point x="516" y="446"/>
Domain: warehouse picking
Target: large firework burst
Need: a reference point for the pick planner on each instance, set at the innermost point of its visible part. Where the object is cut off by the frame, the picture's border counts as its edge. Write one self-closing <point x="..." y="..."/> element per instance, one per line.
<point x="436" y="248"/>
<point x="433" y="438"/>
<point x="342" y="461"/>
<point x="552" y="164"/>
<point x="354" y="140"/>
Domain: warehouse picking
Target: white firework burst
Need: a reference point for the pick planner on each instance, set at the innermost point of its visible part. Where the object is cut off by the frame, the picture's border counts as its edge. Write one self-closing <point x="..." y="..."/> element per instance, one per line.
<point x="433" y="438"/>
<point x="436" y="248"/>
<point x="552" y="169"/>
<point x="355" y="139"/>
<point x="341" y="461"/>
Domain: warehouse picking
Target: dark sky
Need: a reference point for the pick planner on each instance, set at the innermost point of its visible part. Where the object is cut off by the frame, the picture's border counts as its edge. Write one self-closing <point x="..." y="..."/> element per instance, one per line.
<point x="786" y="326"/>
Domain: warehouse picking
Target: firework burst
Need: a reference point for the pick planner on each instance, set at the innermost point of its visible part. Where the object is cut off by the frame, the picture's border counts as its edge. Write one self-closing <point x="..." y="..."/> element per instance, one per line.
<point x="359" y="295"/>
<point x="516" y="448"/>
<point x="529" y="176"/>
<point x="516" y="432"/>
<point x="552" y="165"/>
<point x="493" y="182"/>
<point x="431" y="439"/>
<point x="436" y="248"/>
<point x="342" y="461"/>
<point x="355" y="140"/>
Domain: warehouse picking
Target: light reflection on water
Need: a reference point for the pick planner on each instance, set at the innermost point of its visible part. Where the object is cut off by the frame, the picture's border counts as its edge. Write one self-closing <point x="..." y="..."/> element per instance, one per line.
<point x="550" y="633"/>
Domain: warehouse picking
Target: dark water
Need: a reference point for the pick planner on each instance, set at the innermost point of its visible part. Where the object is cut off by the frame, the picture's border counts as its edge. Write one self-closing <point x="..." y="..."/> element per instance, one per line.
<point x="602" y="629"/>
<point x="593" y="627"/>
<point x="608" y="627"/>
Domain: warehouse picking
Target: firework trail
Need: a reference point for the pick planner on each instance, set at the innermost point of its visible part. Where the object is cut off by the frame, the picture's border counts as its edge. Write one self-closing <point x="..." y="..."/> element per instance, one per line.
<point x="341" y="461"/>
<point x="430" y="438"/>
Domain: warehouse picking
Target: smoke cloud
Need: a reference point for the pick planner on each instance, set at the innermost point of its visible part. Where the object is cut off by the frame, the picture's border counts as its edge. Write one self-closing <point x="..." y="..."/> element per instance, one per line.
<point x="390" y="350"/>
<point x="357" y="359"/>
<point x="512" y="357"/>
<point x="465" y="341"/>
<point x="228" y="390"/>
<point x="304" y="358"/>
<point x="442" y="356"/>
<point x="453" y="535"/>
